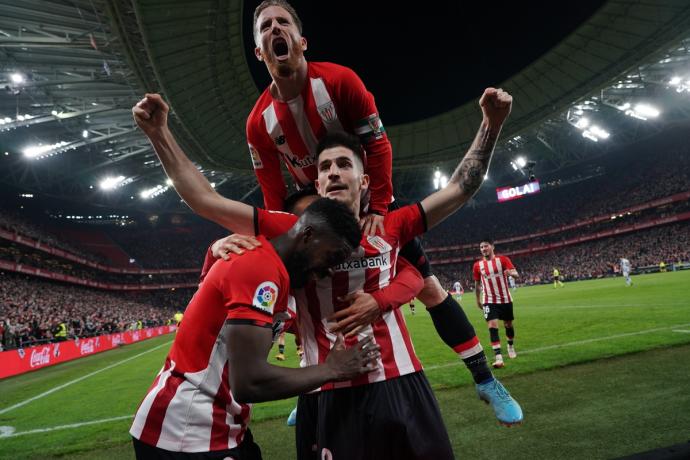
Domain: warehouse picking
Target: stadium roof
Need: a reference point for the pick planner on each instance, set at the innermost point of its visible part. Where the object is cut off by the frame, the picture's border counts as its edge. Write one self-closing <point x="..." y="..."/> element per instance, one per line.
<point x="71" y="71"/>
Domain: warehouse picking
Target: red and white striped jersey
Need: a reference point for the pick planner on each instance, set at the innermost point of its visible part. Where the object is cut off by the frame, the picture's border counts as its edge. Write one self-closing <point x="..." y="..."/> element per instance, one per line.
<point x="333" y="100"/>
<point x="371" y="267"/>
<point x="190" y="407"/>
<point x="494" y="279"/>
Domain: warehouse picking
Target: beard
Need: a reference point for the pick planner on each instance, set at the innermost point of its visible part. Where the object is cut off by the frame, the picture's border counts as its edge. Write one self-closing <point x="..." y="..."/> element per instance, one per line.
<point x="296" y="266"/>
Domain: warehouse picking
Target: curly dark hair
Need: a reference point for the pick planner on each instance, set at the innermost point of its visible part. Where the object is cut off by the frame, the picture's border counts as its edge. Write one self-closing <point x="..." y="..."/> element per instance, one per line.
<point x="337" y="217"/>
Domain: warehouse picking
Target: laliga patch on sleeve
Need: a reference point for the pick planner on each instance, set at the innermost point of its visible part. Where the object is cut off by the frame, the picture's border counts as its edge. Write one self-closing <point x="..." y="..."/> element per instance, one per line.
<point x="265" y="297"/>
<point x="256" y="159"/>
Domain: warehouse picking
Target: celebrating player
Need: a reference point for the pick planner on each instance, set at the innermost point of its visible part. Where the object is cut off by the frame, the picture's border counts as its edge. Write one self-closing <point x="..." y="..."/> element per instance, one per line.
<point x="495" y="300"/>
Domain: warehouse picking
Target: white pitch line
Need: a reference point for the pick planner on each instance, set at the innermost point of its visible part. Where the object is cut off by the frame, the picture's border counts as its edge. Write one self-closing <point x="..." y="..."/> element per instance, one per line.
<point x="682" y="331"/>
<point x="72" y="382"/>
<point x="65" y="427"/>
<point x="570" y="344"/>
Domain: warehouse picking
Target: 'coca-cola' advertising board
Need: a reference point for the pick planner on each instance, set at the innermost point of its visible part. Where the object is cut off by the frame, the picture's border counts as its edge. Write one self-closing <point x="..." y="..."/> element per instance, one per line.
<point x="15" y="362"/>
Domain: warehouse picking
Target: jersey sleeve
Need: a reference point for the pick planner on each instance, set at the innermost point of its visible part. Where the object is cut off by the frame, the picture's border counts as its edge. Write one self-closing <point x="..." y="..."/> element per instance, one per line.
<point x="475" y="272"/>
<point x="404" y="287"/>
<point x="266" y="162"/>
<point x="507" y="263"/>
<point x="252" y="288"/>
<point x="209" y="260"/>
<point x="406" y="223"/>
<point x="272" y="223"/>
<point x="361" y="110"/>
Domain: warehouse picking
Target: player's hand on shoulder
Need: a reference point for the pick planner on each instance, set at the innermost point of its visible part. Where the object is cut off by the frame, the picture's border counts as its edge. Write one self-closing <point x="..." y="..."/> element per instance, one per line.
<point x="347" y="363"/>
<point x="234" y="244"/>
<point x="372" y="224"/>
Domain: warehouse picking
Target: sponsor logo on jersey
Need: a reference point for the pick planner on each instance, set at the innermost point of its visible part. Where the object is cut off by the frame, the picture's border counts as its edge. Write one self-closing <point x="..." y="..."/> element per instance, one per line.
<point x="327" y="112"/>
<point x="265" y="296"/>
<point x="256" y="159"/>
<point x="381" y="261"/>
<point x="298" y="163"/>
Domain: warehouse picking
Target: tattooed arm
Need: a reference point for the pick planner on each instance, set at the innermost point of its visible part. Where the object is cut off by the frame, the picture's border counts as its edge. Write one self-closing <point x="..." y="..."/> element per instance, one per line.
<point x="469" y="175"/>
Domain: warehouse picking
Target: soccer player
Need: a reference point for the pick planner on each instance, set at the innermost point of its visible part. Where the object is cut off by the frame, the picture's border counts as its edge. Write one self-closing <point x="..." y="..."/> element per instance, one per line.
<point x="412" y="306"/>
<point x="625" y="269"/>
<point x="306" y="100"/>
<point x="399" y="379"/>
<point x="457" y="291"/>
<point x="197" y="407"/>
<point x="556" y="278"/>
<point x="511" y="281"/>
<point x="662" y="267"/>
<point x="495" y="300"/>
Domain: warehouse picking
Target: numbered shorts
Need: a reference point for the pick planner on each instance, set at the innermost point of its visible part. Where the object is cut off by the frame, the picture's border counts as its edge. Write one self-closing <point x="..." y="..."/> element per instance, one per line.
<point x="502" y="311"/>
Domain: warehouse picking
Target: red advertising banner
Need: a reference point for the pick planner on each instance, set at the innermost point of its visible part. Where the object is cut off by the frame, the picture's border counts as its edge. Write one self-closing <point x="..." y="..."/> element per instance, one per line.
<point x="22" y="360"/>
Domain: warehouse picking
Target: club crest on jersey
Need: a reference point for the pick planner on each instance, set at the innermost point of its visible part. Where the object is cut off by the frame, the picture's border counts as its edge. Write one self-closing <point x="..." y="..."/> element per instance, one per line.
<point x="265" y="296"/>
<point x="379" y="243"/>
<point x="256" y="159"/>
<point x="327" y="112"/>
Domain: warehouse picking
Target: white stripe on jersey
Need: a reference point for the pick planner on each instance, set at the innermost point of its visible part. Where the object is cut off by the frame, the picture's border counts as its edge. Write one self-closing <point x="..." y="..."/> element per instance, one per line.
<point x="297" y="109"/>
<point x="143" y="411"/>
<point x="322" y="99"/>
<point x="400" y="353"/>
<point x="275" y="130"/>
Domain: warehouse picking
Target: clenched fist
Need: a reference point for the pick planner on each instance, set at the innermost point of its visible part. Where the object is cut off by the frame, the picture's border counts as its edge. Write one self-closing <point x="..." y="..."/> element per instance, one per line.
<point x="151" y="113"/>
<point x="496" y="105"/>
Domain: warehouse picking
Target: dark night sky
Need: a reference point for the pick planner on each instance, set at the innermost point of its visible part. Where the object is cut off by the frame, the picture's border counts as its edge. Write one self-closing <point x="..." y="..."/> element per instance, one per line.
<point x="420" y="62"/>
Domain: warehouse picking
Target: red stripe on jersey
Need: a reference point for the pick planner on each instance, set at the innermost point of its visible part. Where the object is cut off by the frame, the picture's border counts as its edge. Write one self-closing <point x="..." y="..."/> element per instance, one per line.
<point x="294" y="141"/>
<point x="312" y="113"/>
<point x="220" y="430"/>
<point x="408" y="342"/>
<point x="489" y="292"/>
<point x="502" y="281"/>
<point x="466" y="345"/>
<point x="154" y="421"/>
<point x="242" y="419"/>
<point x="322" y="342"/>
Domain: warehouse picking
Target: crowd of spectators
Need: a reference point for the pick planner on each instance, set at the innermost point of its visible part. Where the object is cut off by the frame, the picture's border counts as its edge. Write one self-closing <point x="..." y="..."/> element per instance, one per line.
<point x="645" y="178"/>
<point x="32" y="309"/>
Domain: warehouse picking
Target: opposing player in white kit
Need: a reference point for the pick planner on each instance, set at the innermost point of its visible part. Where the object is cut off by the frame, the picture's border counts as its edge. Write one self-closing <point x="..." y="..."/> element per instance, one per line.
<point x="625" y="270"/>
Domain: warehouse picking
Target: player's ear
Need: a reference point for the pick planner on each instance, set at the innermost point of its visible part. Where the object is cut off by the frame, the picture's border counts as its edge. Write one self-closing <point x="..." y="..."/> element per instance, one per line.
<point x="303" y="42"/>
<point x="364" y="181"/>
<point x="257" y="53"/>
<point x="307" y="234"/>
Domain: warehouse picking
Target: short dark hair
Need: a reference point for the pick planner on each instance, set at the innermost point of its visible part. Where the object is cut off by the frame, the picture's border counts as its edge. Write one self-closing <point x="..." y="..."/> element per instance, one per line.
<point x="487" y="240"/>
<point x="337" y="217"/>
<point x="342" y="139"/>
<point x="293" y="198"/>
<point x="281" y="3"/>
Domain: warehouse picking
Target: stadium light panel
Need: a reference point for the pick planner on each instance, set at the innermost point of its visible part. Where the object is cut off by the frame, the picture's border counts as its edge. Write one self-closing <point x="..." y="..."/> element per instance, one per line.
<point x="17" y="78"/>
<point x="85" y="134"/>
<point x="168" y="182"/>
<point x="590" y="136"/>
<point x="153" y="192"/>
<point x="521" y="162"/>
<point x="444" y="181"/>
<point x="647" y="110"/>
<point x="675" y="81"/>
<point x="110" y="183"/>
<point x="40" y="151"/>
<point x="599" y="132"/>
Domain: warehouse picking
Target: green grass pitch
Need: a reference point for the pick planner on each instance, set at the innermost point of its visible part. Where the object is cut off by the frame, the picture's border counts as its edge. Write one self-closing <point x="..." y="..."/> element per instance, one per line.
<point x="603" y="371"/>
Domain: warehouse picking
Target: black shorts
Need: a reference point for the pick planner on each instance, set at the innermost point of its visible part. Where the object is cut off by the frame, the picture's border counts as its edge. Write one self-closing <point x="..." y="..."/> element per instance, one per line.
<point x="413" y="250"/>
<point x="397" y="419"/>
<point x="305" y="430"/>
<point x="502" y="311"/>
<point x="248" y="450"/>
<point x="556" y="277"/>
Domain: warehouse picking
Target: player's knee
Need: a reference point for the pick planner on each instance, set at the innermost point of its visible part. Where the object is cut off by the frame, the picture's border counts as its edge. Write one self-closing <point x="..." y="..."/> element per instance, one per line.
<point x="492" y="323"/>
<point x="432" y="293"/>
<point x="508" y="323"/>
